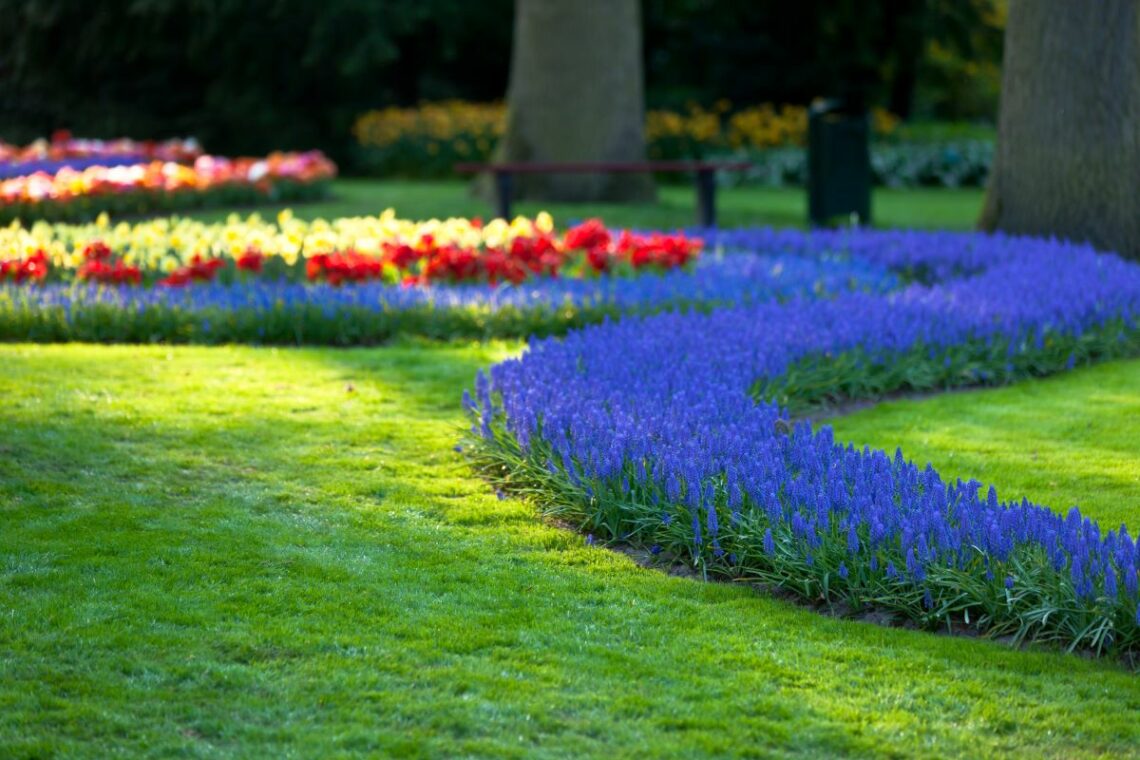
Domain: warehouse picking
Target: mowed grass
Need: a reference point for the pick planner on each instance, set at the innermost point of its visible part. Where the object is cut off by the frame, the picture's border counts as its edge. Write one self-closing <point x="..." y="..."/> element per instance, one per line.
<point x="783" y="207"/>
<point x="242" y="552"/>
<point x="1065" y="440"/>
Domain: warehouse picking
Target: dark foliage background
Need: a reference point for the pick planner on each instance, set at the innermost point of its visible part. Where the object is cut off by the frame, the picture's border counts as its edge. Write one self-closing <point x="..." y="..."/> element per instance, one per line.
<point x="248" y="76"/>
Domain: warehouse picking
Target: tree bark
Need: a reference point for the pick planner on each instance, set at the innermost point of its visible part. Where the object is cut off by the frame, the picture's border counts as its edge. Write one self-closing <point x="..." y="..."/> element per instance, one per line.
<point x="1068" y="153"/>
<point x="577" y="94"/>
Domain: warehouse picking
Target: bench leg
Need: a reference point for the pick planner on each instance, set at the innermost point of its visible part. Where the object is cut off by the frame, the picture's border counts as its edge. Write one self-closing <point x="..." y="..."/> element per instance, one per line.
<point x="504" y="185"/>
<point x="706" y="198"/>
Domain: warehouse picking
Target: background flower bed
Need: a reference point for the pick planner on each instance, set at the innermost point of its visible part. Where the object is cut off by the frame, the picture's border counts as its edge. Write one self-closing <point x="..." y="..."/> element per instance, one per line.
<point x="429" y="140"/>
<point x="649" y="432"/>
<point x="70" y="194"/>
<point x="64" y="151"/>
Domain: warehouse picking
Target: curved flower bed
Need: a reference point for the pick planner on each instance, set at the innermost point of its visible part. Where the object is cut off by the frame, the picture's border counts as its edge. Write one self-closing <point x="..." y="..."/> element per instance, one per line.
<point x="661" y="432"/>
<point x="70" y="194"/>
<point x="279" y="312"/>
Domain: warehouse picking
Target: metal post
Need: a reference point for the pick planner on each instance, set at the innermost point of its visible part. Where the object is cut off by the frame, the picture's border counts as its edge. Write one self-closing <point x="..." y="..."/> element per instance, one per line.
<point x="706" y="197"/>
<point x="503" y="187"/>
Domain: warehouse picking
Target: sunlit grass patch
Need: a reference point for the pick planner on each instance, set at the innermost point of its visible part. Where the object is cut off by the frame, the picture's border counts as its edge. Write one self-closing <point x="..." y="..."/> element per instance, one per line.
<point x="252" y="552"/>
<point x="1069" y="439"/>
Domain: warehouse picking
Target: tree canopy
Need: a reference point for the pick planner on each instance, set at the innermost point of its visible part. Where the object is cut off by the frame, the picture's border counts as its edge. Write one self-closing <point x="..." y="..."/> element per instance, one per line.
<point x="254" y="75"/>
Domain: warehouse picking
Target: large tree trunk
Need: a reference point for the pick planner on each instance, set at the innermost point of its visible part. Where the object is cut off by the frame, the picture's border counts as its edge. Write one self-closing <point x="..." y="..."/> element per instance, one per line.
<point x="577" y="94"/>
<point x="1068" y="151"/>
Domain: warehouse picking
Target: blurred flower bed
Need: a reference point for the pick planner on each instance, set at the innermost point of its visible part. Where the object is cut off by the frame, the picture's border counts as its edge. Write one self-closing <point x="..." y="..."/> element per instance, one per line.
<point x="428" y="140"/>
<point x="72" y="194"/>
<point x="698" y="132"/>
<point x="180" y="252"/>
<point x="64" y="151"/>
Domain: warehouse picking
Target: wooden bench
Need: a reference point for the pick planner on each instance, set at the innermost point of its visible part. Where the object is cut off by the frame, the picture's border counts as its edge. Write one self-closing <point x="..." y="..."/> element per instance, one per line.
<point x="703" y="171"/>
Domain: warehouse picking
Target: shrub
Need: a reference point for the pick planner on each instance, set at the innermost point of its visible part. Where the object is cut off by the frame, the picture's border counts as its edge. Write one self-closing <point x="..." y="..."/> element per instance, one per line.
<point x="950" y="164"/>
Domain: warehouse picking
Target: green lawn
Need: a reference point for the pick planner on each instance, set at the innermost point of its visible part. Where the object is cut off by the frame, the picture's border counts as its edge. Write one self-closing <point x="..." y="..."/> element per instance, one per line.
<point x="1068" y="439"/>
<point x="782" y="207"/>
<point x="257" y="553"/>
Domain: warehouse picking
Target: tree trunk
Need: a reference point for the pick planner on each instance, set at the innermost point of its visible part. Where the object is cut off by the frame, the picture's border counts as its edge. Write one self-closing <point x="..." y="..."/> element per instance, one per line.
<point x="1068" y="151"/>
<point x="577" y="94"/>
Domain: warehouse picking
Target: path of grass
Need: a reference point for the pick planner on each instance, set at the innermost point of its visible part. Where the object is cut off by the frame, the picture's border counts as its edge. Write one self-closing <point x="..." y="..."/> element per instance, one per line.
<point x="1069" y="439"/>
<point x="252" y="553"/>
<point x="783" y="207"/>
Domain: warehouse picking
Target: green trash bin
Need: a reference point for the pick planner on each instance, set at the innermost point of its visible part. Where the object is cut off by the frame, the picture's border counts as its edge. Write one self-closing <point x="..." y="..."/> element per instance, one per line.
<point x="839" y="162"/>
